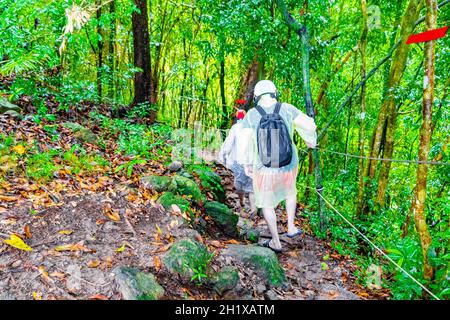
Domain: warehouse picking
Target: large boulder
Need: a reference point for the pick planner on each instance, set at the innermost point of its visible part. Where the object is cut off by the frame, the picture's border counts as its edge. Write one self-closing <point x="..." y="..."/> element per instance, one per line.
<point x="81" y="133"/>
<point x="137" y="285"/>
<point x="185" y="186"/>
<point x="263" y="260"/>
<point x="167" y="199"/>
<point x="186" y="255"/>
<point x="226" y="279"/>
<point x="6" y="106"/>
<point x="156" y="183"/>
<point x="223" y="217"/>
<point x="211" y="183"/>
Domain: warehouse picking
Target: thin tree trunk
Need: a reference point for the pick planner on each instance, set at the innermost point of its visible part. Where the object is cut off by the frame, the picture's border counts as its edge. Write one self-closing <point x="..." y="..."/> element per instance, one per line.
<point x="183" y="85"/>
<point x="248" y="81"/>
<point x="350" y="116"/>
<point x="324" y="85"/>
<point x="141" y="45"/>
<point x="222" y="93"/>
<point x="362" y="112"/>
<point x="418" y="202"/>
<point x="111" y="51"/>
<point x="99" y="52"/>
<point x="302" y="32"/>
<point x="388" y="113"/>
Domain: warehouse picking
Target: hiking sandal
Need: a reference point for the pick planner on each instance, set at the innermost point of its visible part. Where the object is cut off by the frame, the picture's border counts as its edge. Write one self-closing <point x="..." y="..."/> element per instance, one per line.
<point x="296" y="234"/>
<point x="267" y="245"/>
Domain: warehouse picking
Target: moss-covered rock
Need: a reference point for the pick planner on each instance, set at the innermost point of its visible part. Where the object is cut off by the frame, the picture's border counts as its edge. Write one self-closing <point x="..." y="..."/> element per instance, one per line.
<point x="155" y="182"/>
<point x="6" y="106"/>
<point x="137" y="285"/>
<point x="184" y="186"/>
<point x="226" y="279"/>
<point x="82" y="133"/>
<point x="223" y="216"/>
<point x="185" y="255"/>
<point x="167" y="199"/>
<point x="262" y="259"/>
<point x="211" y="182"/>
<point x="252" y="235"/>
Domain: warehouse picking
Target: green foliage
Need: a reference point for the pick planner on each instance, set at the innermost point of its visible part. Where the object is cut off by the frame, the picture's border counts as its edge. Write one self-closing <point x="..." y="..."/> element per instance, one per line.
<point x="129" y="166"/>
<point x="41" y="166"/>
<point x="189" y="258"/>
<point x="199" y="263"/>
<point x="167" y="199"/>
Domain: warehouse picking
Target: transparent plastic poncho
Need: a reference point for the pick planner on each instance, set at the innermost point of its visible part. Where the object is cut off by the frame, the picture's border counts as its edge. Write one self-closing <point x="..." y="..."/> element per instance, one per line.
<point x="273" y="185"/>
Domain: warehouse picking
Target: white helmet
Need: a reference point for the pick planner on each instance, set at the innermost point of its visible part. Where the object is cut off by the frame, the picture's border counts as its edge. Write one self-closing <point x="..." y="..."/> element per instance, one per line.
<point x="263" y="87"/>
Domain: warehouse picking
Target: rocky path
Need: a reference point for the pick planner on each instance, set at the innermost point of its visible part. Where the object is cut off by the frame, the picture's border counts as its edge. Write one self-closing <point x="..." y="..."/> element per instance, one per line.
<point x="124" y="242"/>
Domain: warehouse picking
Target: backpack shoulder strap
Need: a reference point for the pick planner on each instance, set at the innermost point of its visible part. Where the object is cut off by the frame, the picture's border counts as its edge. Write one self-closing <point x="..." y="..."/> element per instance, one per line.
<point x="277" y="108"/>
<point x="260" y="110"/>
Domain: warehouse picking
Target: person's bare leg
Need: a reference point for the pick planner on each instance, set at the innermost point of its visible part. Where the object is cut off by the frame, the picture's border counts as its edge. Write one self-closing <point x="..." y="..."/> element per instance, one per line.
<point x="291" y="205"/>
<point x="271" y="219"/>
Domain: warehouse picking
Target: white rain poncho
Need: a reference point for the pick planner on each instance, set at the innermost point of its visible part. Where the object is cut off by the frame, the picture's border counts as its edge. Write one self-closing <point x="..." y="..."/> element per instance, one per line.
<point x="273" y="185"/>
<point x="228" y="156"/>
<point x="229" y="150"/>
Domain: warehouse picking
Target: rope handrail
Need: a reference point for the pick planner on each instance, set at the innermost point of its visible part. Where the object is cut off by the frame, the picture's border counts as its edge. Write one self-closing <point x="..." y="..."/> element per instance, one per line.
<point x="381" y="159"/>
<point x="373" y="244"/>
<point x="386" y="159"/>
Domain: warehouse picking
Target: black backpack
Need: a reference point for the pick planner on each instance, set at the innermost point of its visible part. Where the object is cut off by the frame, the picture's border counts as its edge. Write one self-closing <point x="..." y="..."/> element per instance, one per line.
<point x="274" y="141"/>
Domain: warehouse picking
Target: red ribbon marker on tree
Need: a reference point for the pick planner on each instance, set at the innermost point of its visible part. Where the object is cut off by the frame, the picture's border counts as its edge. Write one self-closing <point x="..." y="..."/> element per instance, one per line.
<point x="427" y="36"/>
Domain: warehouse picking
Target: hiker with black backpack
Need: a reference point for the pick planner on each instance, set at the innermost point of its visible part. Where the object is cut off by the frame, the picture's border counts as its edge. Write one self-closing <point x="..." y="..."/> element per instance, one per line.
<point x="272" y="159"/>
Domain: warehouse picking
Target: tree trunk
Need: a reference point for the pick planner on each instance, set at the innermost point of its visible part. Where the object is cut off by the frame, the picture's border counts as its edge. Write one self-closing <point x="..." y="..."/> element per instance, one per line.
<point x="362" y="112"/>
<point x="387" y="115"/>
<point x="111" y="51"/>
<point x="141" y="44"/>
<point x="418" y="202"/>
<point x="99" y="52"/>
<point x="248" y="81"/>
<point x="302" y="32"/>
<point x="396" y="74"/>
<point x="222" y="93"/>
<point x="183" y="85"/>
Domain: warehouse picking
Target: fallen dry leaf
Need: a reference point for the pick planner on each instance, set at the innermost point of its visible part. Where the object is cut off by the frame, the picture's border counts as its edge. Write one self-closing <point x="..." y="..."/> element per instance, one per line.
<point x="157" y="263"/>
<point x="16" y="242"/>
<point x="57" y="274"/>
<point x="158" y="229"/>
<point x="72" y="247"/>
<point x="98" y="297"/>
<point x="94" y="263"/>
<point x="27" y="231"/>
<point x="65" y="232"/>
<point x="109" y="262"/>
<point x="111" y="214"/>
<point x="8" y="198"/>
<point x="121" y="249"/>
<point x="37" y="295"/>
<point x="44" y="274"/>
<point x="216" y="243"/>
